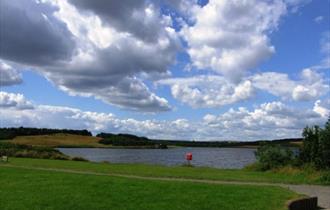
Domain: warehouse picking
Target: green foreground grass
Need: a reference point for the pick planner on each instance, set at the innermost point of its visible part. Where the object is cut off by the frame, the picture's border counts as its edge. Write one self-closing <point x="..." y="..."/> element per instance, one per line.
<point x="282" y="176"/>
<point x="36" y="189"/>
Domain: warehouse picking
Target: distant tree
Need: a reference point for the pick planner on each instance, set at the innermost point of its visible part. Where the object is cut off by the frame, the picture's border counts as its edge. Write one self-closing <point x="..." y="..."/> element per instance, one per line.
<point x="124" y="140"/>
<point x="10" y="133"/>
<point x="105" y="141"/>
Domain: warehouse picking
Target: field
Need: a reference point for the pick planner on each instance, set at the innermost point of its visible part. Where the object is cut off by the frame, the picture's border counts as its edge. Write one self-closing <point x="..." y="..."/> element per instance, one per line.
<point x="58" y="140"/>
<point x="37" y="189"/>
<point x="282" y="176"/>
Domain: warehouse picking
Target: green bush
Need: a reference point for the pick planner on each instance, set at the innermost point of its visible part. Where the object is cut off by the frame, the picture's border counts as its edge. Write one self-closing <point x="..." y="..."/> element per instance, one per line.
<point x="273" y="156"/>
<point x="79" y="159"/>
<point x="325" y="178"/>
<point x="15" y="150"/>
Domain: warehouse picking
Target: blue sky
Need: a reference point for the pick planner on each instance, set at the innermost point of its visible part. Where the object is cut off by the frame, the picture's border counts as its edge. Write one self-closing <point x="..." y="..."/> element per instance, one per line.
<point x="217" y="70"/>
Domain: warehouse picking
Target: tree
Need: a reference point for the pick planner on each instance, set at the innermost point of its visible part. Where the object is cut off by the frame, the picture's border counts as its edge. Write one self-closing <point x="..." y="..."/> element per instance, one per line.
<point x="316" y="146"/>
<point x="325" y="145"/>
<point x="310" y="149"/>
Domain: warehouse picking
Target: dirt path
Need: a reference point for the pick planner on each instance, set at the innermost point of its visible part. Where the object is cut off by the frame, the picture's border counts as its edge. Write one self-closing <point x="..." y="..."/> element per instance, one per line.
<point x="322" y="192"/>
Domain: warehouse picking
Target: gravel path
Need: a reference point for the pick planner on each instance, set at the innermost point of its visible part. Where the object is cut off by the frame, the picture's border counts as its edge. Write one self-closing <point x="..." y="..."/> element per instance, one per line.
<point x="322" y="192"/>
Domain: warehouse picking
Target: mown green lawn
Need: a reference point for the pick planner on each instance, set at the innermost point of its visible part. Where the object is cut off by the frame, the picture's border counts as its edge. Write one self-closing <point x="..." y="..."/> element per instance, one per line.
<point x="33" y="189"/>
<point x="294" y="177"/>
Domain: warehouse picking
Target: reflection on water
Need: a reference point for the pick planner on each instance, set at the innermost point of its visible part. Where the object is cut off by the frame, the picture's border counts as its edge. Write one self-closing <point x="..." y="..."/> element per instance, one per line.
<point x="208" y="157"/>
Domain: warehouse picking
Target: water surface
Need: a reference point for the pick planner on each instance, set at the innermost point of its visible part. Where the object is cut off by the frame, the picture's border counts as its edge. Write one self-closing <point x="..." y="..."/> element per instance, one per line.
<point x="206" y="157"/>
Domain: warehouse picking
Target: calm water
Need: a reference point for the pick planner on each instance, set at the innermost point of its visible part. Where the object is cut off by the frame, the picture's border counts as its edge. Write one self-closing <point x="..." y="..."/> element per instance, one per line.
<point x="210" y="157"/>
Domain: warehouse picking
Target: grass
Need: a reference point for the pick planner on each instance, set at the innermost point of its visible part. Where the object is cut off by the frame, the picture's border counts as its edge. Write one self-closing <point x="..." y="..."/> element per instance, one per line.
<point x="280" y="176"/>
<point x="58" y="140"/>
<point x="35" y="189"/>
<point x="67" y="140"/>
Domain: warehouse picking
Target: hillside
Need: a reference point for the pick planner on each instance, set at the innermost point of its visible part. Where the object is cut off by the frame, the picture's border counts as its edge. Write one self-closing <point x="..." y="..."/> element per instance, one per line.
<point x="58" y="140"/>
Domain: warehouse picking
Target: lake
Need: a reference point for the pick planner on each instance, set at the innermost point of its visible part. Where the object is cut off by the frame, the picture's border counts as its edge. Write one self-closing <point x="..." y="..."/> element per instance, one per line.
<point x="234" y="158"/>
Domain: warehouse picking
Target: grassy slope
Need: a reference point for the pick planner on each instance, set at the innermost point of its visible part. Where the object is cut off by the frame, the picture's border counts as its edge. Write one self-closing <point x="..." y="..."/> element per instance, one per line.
<point x="34" y="189"/>
<point x="57" y="140"/>
<point x="295" y="177"/>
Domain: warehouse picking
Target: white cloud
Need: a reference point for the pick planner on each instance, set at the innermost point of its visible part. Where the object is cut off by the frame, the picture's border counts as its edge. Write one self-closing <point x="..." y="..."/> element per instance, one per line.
<point x="17" y="111"/>
<point x="92" y="53"/>
<point x="322" y="108"/>
<point x="108" y="49"/>
<point x="230" y="37"/>
<point x="12" y="100"/>
<point x="208" y="91"/>
<point x="311" y="85"/>
<point x="318" y="19"/>
<point x="217" y="91"/>
<point x="31" y="35"/>
<point x="295" y="5"/>
<point x="9" y="75"/>
<point x="267" y="121"/>
<point x="117" y="54"/>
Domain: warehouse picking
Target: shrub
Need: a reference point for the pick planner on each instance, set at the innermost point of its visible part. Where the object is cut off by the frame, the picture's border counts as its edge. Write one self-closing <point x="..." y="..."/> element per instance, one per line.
<point x="325" y="178"/>
<point x="79" y="159"/>
<point x="15" y="150"/>
<point x="105" y="141"/>
<point x="273" y="156"/>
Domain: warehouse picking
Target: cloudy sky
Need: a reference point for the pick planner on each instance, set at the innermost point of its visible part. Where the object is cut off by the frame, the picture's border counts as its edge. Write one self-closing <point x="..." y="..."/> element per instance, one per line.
<point x="169" y="69"/>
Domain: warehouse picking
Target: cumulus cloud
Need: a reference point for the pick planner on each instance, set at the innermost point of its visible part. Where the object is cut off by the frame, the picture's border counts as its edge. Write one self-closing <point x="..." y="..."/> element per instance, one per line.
<point x="269" y="120"/>
<point x="139" y="18"/>
<point x="310" y="86"/>
<point x="208" y="91"/>
<point x="86" y="51"/>
<point x="9" y="75"/>
<point x="266" y="121"/>
<point x="31" y="35"/>
<point x="230" y="37"/>
<point x="318" y="19"/>
<point x="108" y="49"/>
<point x="217" y="91"/>
<point x="322" y="107"/>
<point x="126" y="92"/>
<point x="14" y="101"/>
<point x="18" y="111"/>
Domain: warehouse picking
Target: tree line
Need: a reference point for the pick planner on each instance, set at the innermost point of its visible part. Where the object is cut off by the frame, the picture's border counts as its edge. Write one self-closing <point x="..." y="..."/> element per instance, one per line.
<point x="124" y="140"/>
<point x="10" y="133"/>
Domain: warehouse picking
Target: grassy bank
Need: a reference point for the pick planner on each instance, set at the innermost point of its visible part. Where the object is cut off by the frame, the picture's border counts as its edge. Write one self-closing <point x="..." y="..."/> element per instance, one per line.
<point x="35" y="189"/>
<point x="281" y="176"/>
<point x="58" y="140"/>
<point x="69" y="141"/>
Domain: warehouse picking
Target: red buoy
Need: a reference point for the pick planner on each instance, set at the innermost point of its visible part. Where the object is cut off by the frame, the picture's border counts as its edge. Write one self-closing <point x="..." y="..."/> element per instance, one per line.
<point x="189" y="156"/>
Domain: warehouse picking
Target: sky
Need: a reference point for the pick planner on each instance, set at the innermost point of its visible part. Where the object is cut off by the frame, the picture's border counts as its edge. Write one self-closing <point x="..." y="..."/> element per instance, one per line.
<point x="166" y="69"/>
